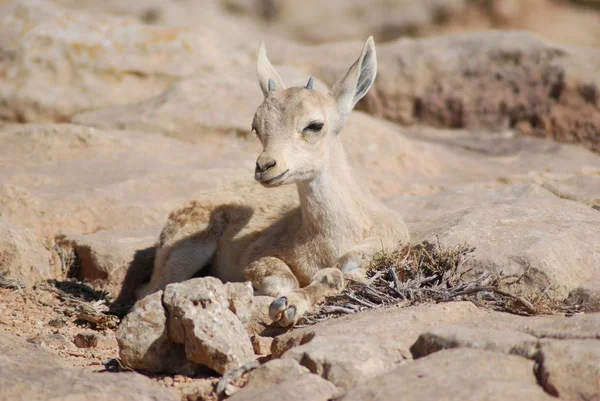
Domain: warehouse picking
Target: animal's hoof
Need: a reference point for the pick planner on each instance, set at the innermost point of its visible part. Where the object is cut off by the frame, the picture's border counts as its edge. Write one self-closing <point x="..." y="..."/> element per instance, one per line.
<point x="286" y="310"/>
<point x="277" y="307"/>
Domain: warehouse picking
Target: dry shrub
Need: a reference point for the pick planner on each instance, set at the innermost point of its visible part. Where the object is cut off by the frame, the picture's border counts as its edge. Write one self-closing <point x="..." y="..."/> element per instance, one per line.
<point x="427" y="272"/>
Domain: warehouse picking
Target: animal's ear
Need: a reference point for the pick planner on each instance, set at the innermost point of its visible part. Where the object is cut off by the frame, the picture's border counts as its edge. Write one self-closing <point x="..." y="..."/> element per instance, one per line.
<point x="352" y="86"/>
<point x="268" y="79"/>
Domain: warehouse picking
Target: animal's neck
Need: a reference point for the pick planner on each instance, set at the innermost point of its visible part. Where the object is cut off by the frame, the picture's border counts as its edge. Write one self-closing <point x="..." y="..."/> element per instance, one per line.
<point x="333" y="202"/>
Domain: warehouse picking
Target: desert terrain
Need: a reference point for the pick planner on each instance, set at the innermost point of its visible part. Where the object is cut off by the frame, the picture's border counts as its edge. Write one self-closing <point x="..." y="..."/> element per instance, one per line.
<point x="482" y="130"/>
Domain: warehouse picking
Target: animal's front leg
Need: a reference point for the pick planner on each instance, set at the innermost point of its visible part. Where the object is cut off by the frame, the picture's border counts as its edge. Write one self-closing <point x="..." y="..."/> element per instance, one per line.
<point x="288" y="308"/>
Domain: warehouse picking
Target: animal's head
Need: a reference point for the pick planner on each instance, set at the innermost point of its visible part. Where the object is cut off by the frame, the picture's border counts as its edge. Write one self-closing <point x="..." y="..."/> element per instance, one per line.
<point x="297" y="126"/>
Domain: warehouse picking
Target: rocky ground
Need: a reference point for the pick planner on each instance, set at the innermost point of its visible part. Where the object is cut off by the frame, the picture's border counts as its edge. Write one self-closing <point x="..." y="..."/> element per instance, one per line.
<point x="113" y="114"/>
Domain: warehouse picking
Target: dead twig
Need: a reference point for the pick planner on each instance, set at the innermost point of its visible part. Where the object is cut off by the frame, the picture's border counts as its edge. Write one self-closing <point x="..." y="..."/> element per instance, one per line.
<point x="425" y="272"/>
<point x="226" y="383"/>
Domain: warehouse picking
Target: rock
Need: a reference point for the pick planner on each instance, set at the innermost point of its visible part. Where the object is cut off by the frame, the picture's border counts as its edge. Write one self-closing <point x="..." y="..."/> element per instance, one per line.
<point x="200" y="318"/>
<point x="489" y="80"/>
<point x="201" y="330"/>
<point x="105" y="256"/>
<point x="570" y="369"/>
<point x="356" y="19"/>
<point x="112" y="192"/>
<point x="181" y="297"/>
<point x="93" y="60"/>
<point x="457" y="374"/>
<point x="22" y="257"/>
<point x="346" y="361"/>
<point x="240" y="297"/>
<point x="404" y="325"/>
<point x="408" y="164"/>
<point x="191" y="109"/>
<point x="426" y="208"/>
<point x="586" y="297"/>
<point x="580" y="327"/>
<point x="28" y="373"/>
<point x="550" y="240"/>
<point x="275" y="372"/>
<point x="52" y="342"/>
<point x="259" y="318"/>
<point x="144" y="343"/>
<point x="305" y="387"/>
<point x="86" y="340"/>
<point x="447" y="337"/>
<point x="583" y="187"/>
<point x="216" y="338"/>
<point x="451" y="92"/>
<point x="234" y="31"/>
<point x="261" y="345"/>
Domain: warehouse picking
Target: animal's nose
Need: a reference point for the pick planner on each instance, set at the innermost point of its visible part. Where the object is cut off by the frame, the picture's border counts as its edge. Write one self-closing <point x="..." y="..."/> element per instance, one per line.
<point x="264" y="165"/>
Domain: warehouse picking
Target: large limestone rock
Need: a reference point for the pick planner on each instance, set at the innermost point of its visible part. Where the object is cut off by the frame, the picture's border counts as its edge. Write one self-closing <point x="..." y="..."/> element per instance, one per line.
<point x="458" y="374"/>
<point x="346" y="361"/>
<point x="570" y="369"/>
<point x="447" y="337"/>
<point x="193" y="324"/>
<point x="580" y="327"/>
<point x="105" y="257"/>
<point x="404" y="325"/>
<point x="552" y="240"/>
<point x="194" y="108"/>
<point x="356" y="19"/>
<point x="390" y="161"/>
<point x="131" y="180"/>
<point x="338" y="20"/>
<point x="22" y="256"/>
<point x="234" y="30"/>
<point x="28" y="373"/>
<point x="490" y="80"/>
<point x="90" y="60"/>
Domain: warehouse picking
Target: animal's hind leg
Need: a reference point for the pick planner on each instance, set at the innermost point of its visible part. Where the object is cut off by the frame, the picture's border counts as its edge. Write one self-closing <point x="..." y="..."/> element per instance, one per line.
<point x="271" y="276"/>
<point x="178" y="262"/>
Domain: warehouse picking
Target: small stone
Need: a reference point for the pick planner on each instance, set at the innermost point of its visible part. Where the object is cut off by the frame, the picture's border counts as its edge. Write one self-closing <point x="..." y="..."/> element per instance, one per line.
<point x="304" y="387"/>
<point x="86" y="340"/>
<point x="261" y="345"/>
<point x="275" y="372"/>
<point x="204" y="316"/>
<point x="58" y="322"/>
<point x="144" y="343"/>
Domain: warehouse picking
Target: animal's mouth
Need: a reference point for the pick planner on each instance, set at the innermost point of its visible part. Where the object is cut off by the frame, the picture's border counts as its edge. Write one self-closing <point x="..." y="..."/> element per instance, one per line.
<point x="275" y="180"/>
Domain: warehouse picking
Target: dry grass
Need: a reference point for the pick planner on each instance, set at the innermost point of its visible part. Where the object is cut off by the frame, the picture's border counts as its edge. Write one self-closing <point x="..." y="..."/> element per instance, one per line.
<point x="415" y="274"/>
<point x="10" y="282"/>
<point x="82" y="304"/>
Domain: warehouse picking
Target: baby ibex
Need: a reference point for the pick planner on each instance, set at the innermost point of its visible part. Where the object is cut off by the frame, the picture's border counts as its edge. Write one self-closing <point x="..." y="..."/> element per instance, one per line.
<point x="300" y="254"/>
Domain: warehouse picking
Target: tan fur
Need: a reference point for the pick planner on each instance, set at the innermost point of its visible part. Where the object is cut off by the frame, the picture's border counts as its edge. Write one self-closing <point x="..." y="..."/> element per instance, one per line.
<point x="298" y="253"/>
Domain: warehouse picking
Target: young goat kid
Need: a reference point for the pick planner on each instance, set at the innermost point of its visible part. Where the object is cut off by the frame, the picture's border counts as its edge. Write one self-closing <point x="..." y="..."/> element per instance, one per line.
<point x="301" y="254"/>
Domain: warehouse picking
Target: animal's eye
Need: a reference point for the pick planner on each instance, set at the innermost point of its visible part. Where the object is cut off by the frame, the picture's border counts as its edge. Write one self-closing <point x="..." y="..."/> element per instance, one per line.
<point x="315" y="127"/>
